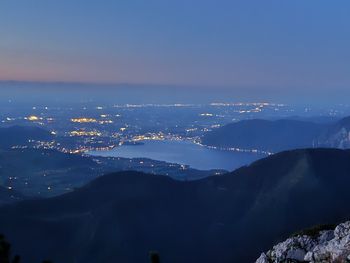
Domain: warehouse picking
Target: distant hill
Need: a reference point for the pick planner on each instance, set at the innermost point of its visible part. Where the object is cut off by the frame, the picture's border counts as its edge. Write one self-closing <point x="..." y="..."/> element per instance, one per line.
<point x="230" y="218"/>
<point x="315" y="119"/>
<point x="20" y="135"/>
<point x="344" y="123"/>
<point x="39" y="172"/>
<point x="280" y="135"/>
<point x="265" y="135"/>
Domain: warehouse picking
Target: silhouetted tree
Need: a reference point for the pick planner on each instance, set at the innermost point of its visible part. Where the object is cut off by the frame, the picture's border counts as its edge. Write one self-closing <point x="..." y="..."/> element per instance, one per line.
<point x="5" y="249"/>
<point x="154" y="257"/>
<point x="5" y="252"/>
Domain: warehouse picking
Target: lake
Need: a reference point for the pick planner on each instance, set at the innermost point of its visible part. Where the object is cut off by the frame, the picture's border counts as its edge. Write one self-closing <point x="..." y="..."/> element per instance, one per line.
<point x="182" y="152"/>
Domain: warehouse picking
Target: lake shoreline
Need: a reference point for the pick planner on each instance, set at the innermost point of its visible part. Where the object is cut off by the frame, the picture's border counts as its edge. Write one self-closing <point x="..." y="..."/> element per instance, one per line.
<point x="182" y="152"/>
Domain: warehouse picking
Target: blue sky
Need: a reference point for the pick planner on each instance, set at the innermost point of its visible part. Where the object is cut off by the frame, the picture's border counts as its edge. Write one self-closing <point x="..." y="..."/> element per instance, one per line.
<point x="244" y="45"/>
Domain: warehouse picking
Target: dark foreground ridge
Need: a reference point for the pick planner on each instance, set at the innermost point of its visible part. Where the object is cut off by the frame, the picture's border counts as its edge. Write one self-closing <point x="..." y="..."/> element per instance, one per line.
<point x="231" y="218"/>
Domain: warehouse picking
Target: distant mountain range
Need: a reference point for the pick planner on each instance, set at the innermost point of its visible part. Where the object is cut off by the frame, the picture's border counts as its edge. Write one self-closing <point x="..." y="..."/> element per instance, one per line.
<point x="229" y="218"/>
<point x="279" y="135"/>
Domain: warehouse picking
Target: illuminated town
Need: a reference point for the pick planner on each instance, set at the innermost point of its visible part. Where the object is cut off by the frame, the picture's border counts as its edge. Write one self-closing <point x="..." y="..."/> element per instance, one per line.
<point x="82" y="128"/>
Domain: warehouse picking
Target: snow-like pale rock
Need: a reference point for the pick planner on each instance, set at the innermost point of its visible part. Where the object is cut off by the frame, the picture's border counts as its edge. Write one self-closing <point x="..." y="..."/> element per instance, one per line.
<point x="327" y="246"/>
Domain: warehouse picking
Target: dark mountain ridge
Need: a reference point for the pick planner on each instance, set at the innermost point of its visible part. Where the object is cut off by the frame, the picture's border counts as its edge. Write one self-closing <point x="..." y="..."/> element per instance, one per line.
<point x="230" y="218"/>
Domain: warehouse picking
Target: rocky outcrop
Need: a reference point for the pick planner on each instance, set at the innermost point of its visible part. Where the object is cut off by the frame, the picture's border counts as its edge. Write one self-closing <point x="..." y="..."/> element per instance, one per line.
<point x="326" y="246"/>
<point x="340" y="139"/>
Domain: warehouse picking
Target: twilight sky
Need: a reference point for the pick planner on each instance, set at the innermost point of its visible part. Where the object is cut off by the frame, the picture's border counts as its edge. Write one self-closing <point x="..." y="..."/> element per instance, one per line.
<point x="273" y="44"/>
